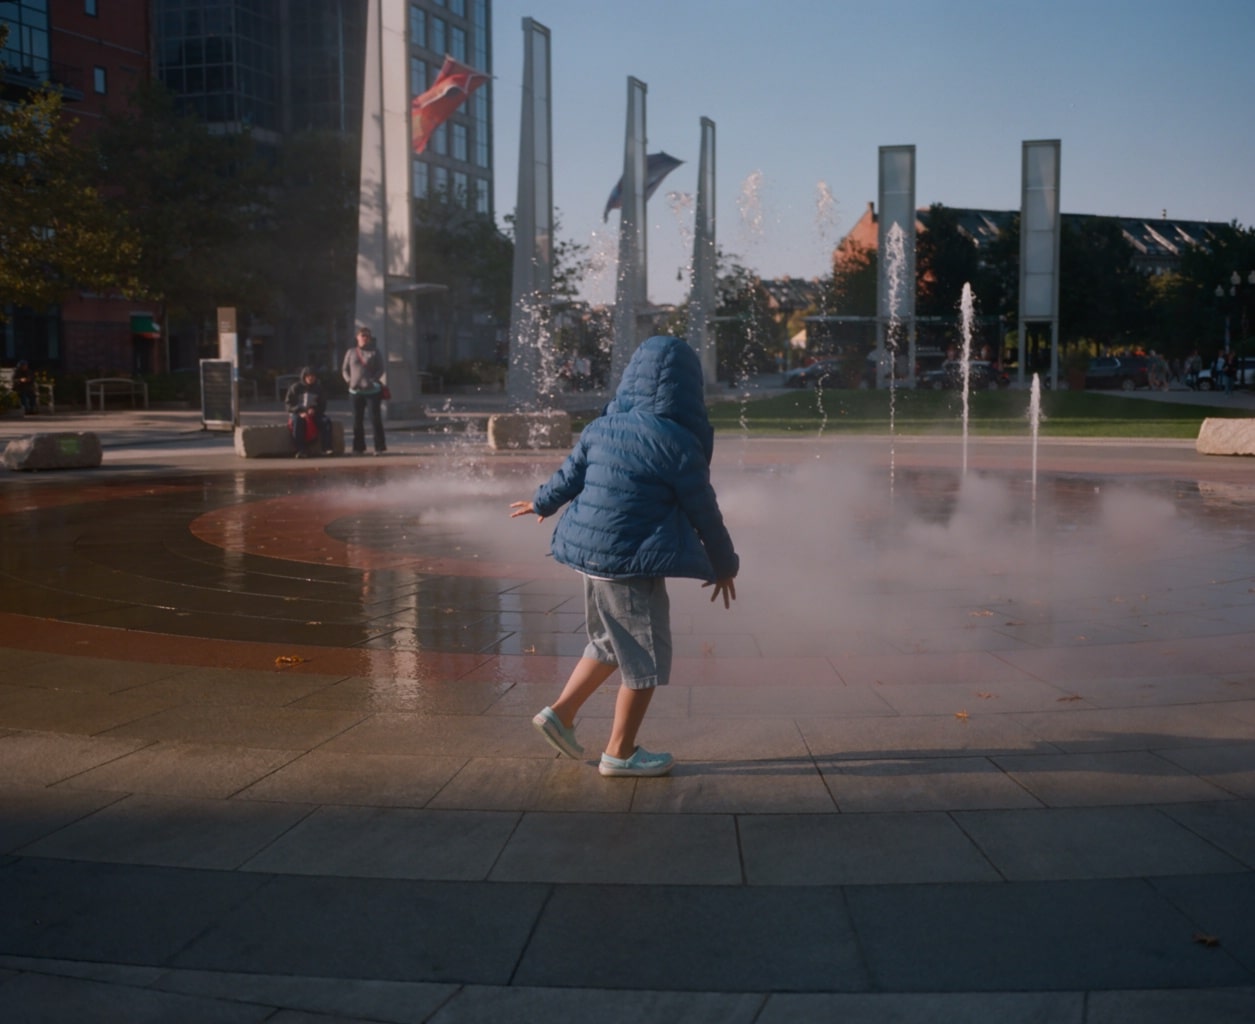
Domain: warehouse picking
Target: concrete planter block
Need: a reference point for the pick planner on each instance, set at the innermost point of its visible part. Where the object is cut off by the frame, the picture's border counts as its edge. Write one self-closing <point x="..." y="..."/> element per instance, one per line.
<point x="54" y="451"/>
<point x="1226" y="437"/>
<point x="529" y="430"/>
<point x="272" y="441"/>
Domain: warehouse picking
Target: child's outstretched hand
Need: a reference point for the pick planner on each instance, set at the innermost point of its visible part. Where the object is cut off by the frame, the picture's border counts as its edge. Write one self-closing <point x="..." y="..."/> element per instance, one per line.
<point x="725" y="587"/>
<point x="524" y="508"/>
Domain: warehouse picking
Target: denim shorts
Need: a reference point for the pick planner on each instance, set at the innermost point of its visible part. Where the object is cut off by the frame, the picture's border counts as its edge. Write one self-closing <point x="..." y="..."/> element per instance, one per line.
<point x="629" y="625"/>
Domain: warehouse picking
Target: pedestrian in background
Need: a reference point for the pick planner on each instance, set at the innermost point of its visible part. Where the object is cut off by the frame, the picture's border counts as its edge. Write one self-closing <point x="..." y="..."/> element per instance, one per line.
<point x="363" y="373"/>
<point x="308" y="422"/>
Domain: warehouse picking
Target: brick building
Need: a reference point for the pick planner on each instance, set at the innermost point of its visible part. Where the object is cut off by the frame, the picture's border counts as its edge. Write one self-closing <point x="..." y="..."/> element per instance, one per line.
<point x="96" y="54"/>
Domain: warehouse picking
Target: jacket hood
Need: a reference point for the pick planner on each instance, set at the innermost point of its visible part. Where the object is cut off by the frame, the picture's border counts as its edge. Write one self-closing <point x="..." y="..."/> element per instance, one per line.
<point x="664" y="378"/>
<point x="307" y="371"/>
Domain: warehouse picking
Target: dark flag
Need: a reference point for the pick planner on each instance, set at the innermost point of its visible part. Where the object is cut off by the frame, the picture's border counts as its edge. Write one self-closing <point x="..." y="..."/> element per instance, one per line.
<point x="657" y="167"/>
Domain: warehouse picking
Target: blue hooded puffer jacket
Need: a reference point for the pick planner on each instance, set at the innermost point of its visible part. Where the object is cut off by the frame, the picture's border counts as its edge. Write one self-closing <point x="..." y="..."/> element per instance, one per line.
<point x="638" y="479"/>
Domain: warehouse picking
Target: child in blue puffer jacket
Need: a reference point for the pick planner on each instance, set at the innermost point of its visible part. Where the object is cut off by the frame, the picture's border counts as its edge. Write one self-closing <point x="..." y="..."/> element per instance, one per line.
<point x="641" y="509"/>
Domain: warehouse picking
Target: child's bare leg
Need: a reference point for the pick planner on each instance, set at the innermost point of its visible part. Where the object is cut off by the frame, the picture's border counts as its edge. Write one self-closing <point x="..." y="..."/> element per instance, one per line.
<point x="629" y="712"/>
<point x="585" y="678"/>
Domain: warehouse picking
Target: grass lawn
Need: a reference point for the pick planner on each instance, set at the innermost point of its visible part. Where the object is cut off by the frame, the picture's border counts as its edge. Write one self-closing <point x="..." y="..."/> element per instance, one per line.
<point x="1064" y="414"/>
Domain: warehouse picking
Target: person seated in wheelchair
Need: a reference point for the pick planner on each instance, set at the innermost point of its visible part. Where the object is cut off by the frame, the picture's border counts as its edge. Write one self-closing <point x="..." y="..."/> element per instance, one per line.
<point x="308" y="422"/>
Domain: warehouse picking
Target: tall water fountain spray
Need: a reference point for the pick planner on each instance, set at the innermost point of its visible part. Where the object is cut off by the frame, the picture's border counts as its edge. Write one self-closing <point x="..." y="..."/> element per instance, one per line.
<point x="825" y="225"/>
<point x="825" y="215"/>
<point x="966" y="317"/>
<point x="681" y="206"/>
<point x="1034" y="421"/>
<point x="750" y="204"/>
<point x="896" y="261"/>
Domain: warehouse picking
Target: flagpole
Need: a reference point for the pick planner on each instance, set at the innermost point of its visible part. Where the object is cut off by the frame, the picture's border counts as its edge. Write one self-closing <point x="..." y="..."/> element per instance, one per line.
<point x="702" y="294"/>
<point x="530" y="383"/>
<point x="630" y="289"/>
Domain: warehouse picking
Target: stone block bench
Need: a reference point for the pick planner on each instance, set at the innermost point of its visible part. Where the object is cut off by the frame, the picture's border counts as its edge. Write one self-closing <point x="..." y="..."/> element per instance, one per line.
<point x="272" y="440"/>
<point x="1219" y="436"/>
<point x="54" y="451"/>
<point x="530" y="430"/>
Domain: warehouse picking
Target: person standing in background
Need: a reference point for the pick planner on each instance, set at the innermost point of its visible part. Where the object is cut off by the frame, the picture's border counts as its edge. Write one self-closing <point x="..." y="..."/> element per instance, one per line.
<point x="24" y="387"/>
<point x="363" y="372"/>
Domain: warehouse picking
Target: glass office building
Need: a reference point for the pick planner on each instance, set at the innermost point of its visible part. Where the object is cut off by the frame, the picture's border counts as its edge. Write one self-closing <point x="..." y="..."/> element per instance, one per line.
<point x="282" y="66"/>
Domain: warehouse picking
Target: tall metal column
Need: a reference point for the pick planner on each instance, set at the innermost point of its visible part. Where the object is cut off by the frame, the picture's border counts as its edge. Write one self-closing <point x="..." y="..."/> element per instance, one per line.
<point x="530" y="382"/>
<point x="631" y="301"/>
<point x="897" y="208"/>
<point x="385" y="265"/>
<point x="1040" y="222"/>
<point x="702" y="297"/>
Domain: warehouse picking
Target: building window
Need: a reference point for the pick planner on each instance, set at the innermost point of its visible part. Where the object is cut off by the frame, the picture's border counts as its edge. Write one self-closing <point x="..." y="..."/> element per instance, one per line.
<point x="437" y="35"/>
<point x="458" y="7"/>
<point x="440" y="140"/>
<point x="460" y="194"/>
<point x="481" y="196"/>
<point x="89" y="7"/>
<point x="480" y="106"/>
<point x="420" y="180"/>
<point x="26" y="50"/>
<point x="480" y="30"/>
<point x="440" y="179"/>
<point x="98" y="80"/>
<point x="418" y="76"/>
<point x="459" y="142"/>
<point x="457" y="43"/>
<point x="418" y="26"/>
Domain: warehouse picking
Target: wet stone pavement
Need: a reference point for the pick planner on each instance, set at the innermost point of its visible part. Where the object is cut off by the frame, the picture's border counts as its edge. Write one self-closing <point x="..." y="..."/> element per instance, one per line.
<point x="967" y="747"/>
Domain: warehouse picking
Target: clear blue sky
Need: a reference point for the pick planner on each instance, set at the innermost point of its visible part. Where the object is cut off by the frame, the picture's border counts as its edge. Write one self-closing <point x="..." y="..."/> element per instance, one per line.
<point x="1153" y="101"/>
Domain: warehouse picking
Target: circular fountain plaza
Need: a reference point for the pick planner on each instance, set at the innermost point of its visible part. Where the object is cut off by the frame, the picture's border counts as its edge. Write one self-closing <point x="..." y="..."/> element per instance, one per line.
<point x="968" y="746"/>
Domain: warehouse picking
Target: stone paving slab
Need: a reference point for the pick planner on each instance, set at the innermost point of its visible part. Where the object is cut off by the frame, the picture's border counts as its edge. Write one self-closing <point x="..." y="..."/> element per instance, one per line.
<point x="1083" y="935"/>
<point x="1028" y="806"/>
<point x="372" y="929"/>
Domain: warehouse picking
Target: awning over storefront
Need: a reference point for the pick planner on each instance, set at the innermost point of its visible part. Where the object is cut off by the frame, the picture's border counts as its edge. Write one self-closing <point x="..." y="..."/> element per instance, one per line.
<point x="142" y="324"/>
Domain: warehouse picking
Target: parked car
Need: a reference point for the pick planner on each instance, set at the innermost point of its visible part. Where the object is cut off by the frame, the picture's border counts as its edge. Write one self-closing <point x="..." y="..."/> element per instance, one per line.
<point x="1207" y="379"/>
<point x="824" y="372"/>
<point x="980" y="375"/>
<point x="1123" y="372"/>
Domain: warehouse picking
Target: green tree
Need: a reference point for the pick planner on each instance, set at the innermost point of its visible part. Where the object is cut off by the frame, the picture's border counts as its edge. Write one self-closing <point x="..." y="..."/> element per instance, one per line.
<point x="462" y="250"/>
<point x="1196" y="312"/>
<point x="748" y="337"/>
<point x="569" y="330"/>
<point x="851" y="290"/>
<point x="194" y="198"/>
<point x="1102" y="296"/>
<point x="56" y="231"/>
<point x="308" y="248"/>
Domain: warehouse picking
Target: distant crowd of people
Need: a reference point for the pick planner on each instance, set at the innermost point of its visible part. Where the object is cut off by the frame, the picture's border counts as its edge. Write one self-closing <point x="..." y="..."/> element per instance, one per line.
<point x="1163" y="372"/>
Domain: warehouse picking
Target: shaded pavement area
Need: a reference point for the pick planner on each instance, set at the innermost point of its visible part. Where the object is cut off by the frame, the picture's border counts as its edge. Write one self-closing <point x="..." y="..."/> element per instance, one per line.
<point x="266" y="753"/>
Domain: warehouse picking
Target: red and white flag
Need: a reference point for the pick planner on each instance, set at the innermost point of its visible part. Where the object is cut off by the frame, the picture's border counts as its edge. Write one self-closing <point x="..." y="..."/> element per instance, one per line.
<point x="452" y="87"/>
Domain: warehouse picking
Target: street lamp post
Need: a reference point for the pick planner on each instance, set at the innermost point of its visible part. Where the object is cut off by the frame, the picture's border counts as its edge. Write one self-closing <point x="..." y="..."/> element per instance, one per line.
<point x="1235" y="283"/>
